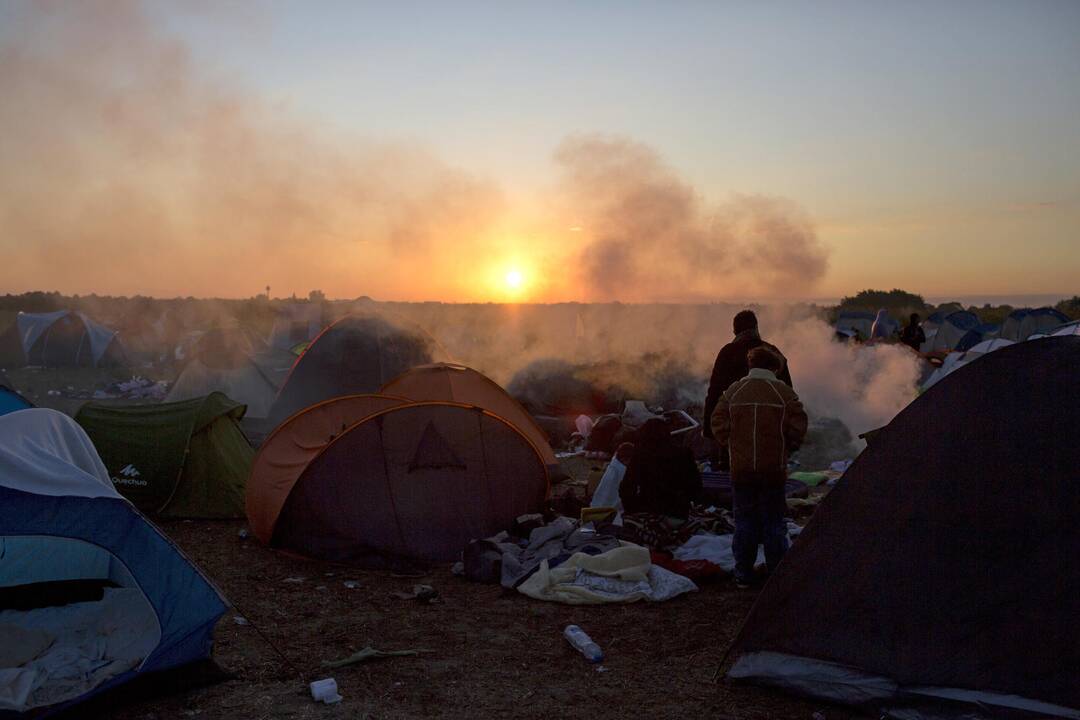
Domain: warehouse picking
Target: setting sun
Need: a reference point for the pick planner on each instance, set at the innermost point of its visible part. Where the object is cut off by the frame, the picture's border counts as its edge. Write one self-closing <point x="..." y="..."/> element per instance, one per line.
<point x="514" y="279"/>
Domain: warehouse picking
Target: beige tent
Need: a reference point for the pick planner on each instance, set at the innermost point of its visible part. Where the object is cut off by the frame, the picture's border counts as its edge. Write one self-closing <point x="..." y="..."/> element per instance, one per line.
<point x="253" y="381"/>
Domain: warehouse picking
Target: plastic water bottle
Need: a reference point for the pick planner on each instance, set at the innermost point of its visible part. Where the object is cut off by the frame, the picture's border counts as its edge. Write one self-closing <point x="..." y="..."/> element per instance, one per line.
<point x="583" y="643"/>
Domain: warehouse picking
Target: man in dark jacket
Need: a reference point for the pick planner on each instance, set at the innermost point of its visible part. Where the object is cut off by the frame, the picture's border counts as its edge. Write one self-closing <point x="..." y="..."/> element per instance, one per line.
<point x="913" y="335"/>
<point x="731" y="365"/>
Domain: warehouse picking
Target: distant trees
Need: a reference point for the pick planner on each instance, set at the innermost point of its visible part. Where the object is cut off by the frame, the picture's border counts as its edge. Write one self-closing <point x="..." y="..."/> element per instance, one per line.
<point x="897" y="302"/>
<point x="1070" y="307"/>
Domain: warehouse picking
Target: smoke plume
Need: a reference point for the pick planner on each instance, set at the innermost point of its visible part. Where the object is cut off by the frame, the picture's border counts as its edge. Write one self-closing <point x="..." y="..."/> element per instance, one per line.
<point x="653" y="236"/>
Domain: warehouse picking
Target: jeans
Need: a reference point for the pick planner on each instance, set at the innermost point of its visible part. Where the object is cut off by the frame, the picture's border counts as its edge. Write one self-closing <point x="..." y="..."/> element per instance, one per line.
<point x="759" y="505"/>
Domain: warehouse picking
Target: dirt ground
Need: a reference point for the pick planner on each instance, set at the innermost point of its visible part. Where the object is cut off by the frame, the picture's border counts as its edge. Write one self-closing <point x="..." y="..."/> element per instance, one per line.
<point x="493" y="653"/>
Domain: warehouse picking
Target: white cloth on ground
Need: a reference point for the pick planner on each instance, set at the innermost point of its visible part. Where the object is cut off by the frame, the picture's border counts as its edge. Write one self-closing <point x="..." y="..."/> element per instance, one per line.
<point x="625" y="574"/>
<point x="717" y="549"/>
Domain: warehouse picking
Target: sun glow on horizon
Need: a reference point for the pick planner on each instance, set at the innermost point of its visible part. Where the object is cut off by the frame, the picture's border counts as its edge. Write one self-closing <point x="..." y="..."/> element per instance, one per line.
<point x="514" y="279"/>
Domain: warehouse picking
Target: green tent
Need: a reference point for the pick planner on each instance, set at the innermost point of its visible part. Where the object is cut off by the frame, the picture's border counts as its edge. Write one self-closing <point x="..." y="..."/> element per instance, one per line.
<point x="182" y="459"/>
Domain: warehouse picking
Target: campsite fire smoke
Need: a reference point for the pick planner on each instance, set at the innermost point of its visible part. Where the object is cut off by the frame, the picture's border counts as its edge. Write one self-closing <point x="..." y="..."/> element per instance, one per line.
<point x="590" y="358"/>
<point x="126" y="162"/>
<point x="651" y="232"/>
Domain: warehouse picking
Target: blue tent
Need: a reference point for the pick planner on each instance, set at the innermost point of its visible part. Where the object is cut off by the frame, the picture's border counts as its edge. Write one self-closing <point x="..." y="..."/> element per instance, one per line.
<point x="1024" y="322"/>
<point x="10" y="401"/>
<point x="72" y="545"/>
<point x="976" y="335"/>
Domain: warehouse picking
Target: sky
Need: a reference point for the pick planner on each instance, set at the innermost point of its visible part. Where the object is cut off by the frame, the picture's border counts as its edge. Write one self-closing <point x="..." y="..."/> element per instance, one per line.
<point x="540" y="151"/>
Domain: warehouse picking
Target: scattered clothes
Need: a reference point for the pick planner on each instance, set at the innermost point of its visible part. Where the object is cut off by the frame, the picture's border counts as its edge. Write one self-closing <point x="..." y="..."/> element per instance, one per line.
<point x="635" y="414"/>
<point x="803" y="507"/>
<point x="841" y="466"/>
<point x="625" y="574"/>
<point x="716" y="549"/>
<point x="693" y="569"/>
<point x="370" y="653"/>
<point x="810" y="479"/>
<point x="661" y="533"/>
<point x="553" y="543"/>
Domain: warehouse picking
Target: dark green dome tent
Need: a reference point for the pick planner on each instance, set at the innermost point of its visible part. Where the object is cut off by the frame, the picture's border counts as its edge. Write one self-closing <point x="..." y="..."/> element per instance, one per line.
<point x="183" y="459"/>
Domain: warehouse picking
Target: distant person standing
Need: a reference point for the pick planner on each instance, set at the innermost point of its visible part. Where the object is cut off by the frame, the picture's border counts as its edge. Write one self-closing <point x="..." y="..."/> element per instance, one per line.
<point x="912" y="334"/>
<point x="761" y="420"/>
<point x="882" y="327"/>
<point x="731" y="365"/>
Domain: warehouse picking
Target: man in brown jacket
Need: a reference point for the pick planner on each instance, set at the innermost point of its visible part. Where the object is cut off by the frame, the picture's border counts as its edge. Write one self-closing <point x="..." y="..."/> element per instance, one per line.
<point x="760" y="420"/>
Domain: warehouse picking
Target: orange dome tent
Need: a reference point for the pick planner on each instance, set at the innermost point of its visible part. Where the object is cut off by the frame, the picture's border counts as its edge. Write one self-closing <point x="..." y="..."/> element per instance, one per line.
<point x="383" y="481"/>
<point x="457" y="383"/>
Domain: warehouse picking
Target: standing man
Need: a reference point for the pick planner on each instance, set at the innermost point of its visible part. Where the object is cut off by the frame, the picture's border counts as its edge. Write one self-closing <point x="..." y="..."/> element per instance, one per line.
<point x="731" y="365"/>
<point x="913" y="335"/>
<point x="761" y="420"/>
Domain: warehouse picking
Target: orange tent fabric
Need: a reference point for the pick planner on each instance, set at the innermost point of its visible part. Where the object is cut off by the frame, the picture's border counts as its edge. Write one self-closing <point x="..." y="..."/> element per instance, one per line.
<point x="412" y="482"/>
<point x="457" y="383"/>
<point x="293" y="445"/>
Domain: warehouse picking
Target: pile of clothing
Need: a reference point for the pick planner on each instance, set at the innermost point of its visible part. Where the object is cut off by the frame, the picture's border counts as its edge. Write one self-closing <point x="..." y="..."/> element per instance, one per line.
<point x="566" y="562"/>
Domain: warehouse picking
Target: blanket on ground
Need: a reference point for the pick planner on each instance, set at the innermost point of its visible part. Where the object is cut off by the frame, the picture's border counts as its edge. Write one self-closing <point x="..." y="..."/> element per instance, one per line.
<point x="625" y="574"/>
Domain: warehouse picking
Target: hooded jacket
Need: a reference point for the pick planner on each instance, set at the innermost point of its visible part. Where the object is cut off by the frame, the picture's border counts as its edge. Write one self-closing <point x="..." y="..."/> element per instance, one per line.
<point x="731" y="365"/>
<point x="761" y="420"/>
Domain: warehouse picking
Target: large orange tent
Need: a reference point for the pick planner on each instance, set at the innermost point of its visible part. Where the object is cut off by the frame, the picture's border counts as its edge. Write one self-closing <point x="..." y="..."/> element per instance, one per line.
<point x="383" y="481"/>
<point x="457" y="383"/>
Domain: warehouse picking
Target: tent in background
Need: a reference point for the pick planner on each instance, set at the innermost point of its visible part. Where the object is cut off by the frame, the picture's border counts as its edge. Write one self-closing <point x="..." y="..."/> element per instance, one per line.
<point x="856" y="321"/>
<point x="460" y="384"/>
<point x="1072" y="328"/>
<point x="254" y="382"/>
<point x="355" y="355"/>
<point x="92" y="594"/>
<point x="1022" y="323"/>
<point x="976" y="335"/>
<point x="184" y="459"/>
<point x="963" y="582"/>
<point x="296" y="324"/>
<point x="951" y="330"/>
<point x="411" y="482"/>
<point x="60" y="339"/>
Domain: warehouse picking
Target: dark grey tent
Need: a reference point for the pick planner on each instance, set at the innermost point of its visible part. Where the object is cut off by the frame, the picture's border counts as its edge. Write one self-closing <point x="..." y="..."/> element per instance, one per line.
<point x="944" y="563"/>
<point x="354" y="356"/>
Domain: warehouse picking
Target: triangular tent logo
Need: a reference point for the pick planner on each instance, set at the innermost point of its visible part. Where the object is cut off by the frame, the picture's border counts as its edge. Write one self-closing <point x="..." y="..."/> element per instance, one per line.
<point x="434" y="452"/>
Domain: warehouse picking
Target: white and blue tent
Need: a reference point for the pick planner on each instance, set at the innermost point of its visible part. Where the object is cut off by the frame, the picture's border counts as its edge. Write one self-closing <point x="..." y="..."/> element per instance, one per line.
<point x="952" y="328"/>
<point x="1022" y="323"/>
<point x="91" y="594"/>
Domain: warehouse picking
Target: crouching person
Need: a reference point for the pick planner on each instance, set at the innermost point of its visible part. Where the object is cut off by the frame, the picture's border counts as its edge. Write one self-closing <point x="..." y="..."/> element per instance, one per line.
<point x="761" y="420"/>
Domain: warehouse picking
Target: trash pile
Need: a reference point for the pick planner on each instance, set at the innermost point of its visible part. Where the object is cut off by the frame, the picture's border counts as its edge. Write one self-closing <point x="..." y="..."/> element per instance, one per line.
<point x="137" y="388"/>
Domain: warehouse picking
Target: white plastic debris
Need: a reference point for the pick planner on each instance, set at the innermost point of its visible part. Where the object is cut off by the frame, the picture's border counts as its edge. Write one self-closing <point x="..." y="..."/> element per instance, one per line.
<point x="325" y="691"/>
<point x="240" y="620"/>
